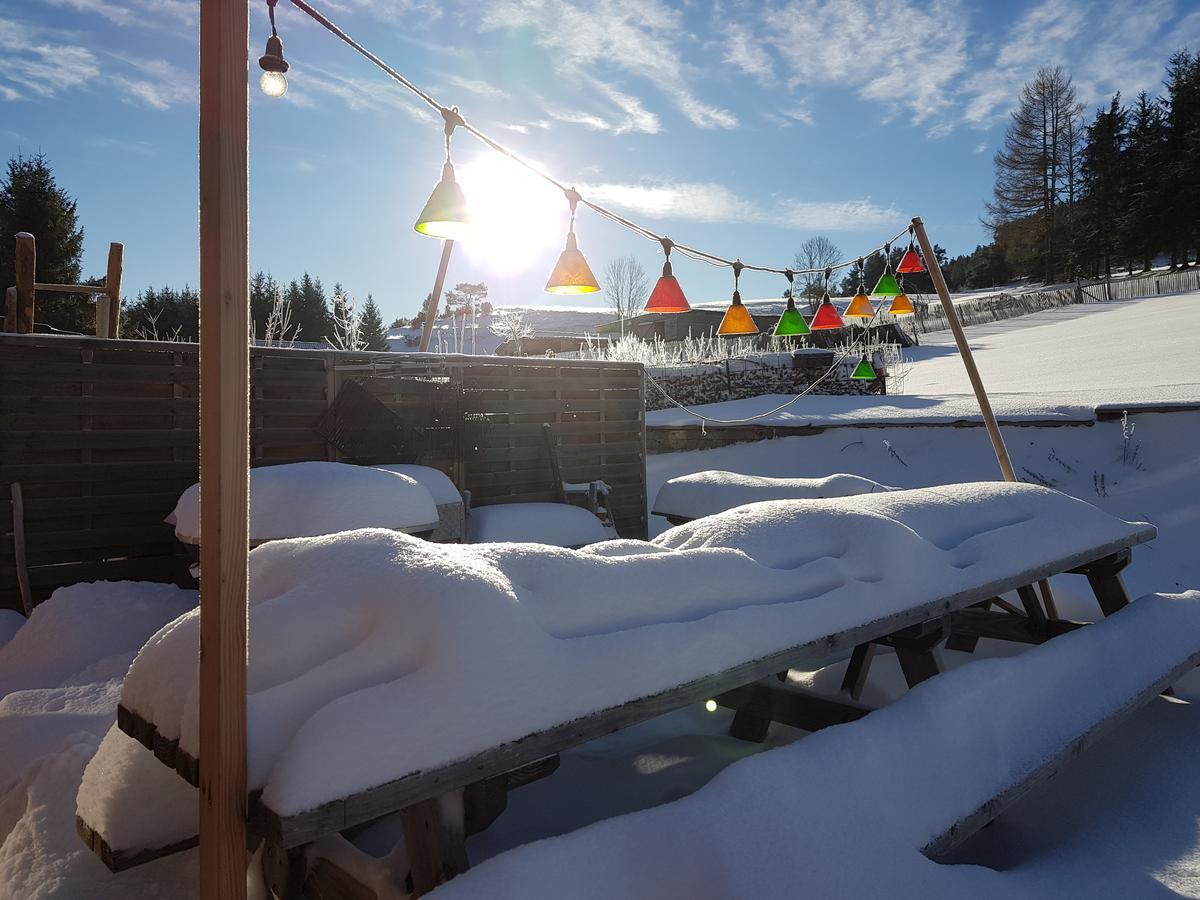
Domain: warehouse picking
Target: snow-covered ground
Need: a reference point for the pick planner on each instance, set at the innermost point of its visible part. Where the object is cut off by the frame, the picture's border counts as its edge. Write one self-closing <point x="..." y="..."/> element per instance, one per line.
<point x="1122" y="821"/>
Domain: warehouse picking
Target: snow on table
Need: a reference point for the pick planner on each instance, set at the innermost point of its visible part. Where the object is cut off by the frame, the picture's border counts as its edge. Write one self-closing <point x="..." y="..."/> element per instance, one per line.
<point x="374" y="655"/>
<point x="557" y="524"/>
<point x="846" y="812"/>
<point x="710" y="492"/>
<point x="310" y="498"/>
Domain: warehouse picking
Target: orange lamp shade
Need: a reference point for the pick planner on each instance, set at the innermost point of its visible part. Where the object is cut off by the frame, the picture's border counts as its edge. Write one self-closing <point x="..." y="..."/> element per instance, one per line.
<point x="827" y="317"/>
<point x="572" y="274"/>
<point x="910" y="262"/>
<point x="860" y="307"/>
<point x="737" y="319"/>
<point x="901" y="306"/>
<point x="667" y="296"/>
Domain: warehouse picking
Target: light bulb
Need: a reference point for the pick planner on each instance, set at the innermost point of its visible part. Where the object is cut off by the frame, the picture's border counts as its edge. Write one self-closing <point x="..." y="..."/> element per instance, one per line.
<point x="710" y="705"/>
<point x="273" y="84"/>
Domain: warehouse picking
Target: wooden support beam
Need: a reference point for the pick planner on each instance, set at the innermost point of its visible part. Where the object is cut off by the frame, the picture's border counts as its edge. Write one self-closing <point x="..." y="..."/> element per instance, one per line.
<point x="10" y="309"/>
<point x="857" y="669"/>
<point x="18" y="521"/>
<point x="435" y="297"/>
<point x="224" y="445"/>
<point x="435" y="836"/>
<point x="112" y="285"/>
<point x="88" y="289"/>
<point x="26" y="265"/>
<point x="792" y="706"/>
<point x="980" y="623"/>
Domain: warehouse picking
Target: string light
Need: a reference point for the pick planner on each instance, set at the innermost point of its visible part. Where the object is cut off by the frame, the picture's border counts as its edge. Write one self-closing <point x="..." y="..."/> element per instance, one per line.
<point x="826" y="317"/>
<point x="445" y="213"/>
<point x="901" y="305"/>
<point x="860" y="306"/>
<point x="791" y="323"/>
<point x="273" y="80"/>
<point x="572" y="274"/>
<point x="886" y="286"/>
<point x="911" y="261"/>
<point x="737" y="319"/>
<point x="667" y="296"/>
<point x="864" y="371"/>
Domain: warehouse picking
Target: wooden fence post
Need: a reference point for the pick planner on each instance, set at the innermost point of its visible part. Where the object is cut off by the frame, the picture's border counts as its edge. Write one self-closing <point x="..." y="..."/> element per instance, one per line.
<point x="26" y="266"/>
<point x="112" y="285"/>
<point x="224" y="439"/>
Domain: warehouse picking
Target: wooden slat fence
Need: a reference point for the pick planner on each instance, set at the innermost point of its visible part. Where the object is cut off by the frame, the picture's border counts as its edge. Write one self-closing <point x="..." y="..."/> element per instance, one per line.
<point x="103" y="437"/>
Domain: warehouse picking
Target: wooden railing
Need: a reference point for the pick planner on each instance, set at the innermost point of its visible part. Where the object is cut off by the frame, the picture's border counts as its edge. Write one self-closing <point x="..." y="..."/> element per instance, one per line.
<point x="19" y="299"/>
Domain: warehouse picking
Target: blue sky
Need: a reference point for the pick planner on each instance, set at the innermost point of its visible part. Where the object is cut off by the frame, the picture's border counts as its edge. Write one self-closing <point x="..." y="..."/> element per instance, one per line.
<point x="742" y="128"/>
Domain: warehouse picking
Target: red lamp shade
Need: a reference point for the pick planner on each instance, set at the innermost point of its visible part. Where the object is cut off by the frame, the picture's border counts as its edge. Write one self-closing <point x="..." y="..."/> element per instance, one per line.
<point x="910" y="262"/>
<point x="667" y="296"/>
<point x="827" y="317"/>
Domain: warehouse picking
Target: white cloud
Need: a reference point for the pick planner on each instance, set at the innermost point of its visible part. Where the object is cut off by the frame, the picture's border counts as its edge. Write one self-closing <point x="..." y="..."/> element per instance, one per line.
<point x="981" y="147"/>
<point x="156" y="15"/>
<point x="747" y="53"/>
<point x="32" y="66"/>
<point x="374" y="94"/>
<point x="640" y="39"/>
<point x="715" y="203"/>
<point x="480" y="88"/>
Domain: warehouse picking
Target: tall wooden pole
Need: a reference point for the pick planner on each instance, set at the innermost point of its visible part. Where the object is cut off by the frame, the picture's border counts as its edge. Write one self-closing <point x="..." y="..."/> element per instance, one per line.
<point x="432" y="305"/>
<point x="964" y="351"/>
<point x="26" y="265"/>
<point x="224" y="454"/>
<point x="112" y="286"/>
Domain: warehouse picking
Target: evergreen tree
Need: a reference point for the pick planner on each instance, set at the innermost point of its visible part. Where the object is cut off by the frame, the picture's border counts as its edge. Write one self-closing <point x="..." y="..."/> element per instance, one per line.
<point x="1142" y="223"/>
<point x="164" y="314"/>
<point x="263" y="290"/>
<point x="310" y="309"/>
<point x="1104" y="183"/>
<point x="1182" y="154"/>
<point x="373" y="335"/>
<point x="31" y="200"/>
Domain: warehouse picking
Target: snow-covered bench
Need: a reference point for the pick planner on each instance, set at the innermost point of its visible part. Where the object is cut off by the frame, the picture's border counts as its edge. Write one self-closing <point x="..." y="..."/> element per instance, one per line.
<point x="387" y="674"/>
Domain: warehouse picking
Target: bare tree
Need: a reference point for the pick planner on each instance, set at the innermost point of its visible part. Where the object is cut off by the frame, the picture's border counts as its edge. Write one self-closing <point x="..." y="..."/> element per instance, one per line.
<point x="279" y="330"/>
<point x="627" y="287"/>
<point x="817" y="252"/>
<point x="1037" y="170"/>
<point x="511" y="326"/>
<point x="347" y="322"/>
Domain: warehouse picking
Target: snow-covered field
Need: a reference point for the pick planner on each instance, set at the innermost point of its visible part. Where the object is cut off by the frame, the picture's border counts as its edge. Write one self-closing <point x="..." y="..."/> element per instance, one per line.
<point x="1122" y="821"/>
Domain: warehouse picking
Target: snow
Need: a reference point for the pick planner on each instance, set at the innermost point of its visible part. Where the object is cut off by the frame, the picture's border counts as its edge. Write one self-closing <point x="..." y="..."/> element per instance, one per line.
<point x="886" y="784"/>
<point x="311" y="498"/>
<point x="707" y="493"/>
<point x="437" y="482"/>
<point x="10" y="622"/>
<point x="363" y="633"/>
<point x="558" y="524"/>
<point x="62" y="675"/>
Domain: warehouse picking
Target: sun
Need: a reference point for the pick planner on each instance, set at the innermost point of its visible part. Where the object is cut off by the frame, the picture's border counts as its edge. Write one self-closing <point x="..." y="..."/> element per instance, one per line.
<point x="517" y="219"/>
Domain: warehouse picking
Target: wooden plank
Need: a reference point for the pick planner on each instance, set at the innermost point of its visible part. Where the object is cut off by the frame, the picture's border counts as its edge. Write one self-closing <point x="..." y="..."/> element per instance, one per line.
<point x="370" y="804"/>
<point x="112" y="284"/>
<point x="25" y="263"/>
<point x="966" y="826"/>
<point x="18" y="520"/>
<point x="86" y="289"/>
<point x="119" y="860"/>
<point x="10" y="309"/>
<point x="224" y="445"/>
<point x="792" y="705"/>
<point x="434" y="836"/>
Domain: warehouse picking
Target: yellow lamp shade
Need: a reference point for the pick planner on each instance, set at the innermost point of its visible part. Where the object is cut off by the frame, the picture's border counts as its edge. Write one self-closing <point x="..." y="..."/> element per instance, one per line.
<point x="445" y="214"/>
<point x="901" y="306"/>
<point x="860" y="307"/>
<point x="737" y="319"/>
<point x="572" y="274"/>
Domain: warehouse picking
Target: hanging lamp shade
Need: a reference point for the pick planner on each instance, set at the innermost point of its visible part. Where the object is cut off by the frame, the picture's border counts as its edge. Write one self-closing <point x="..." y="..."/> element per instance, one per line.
<point x="667" y="296"/>
<point x="910" y="262"/>
<point x="791" y="323"/>
<point x="886" y="286"/>
<point x="827" y="317"/>
<point x="737" y="319"/>
<point x="901" y="306"/>
<point x="864" y="371"/>
<point x="445" y="214"/>
<point x="860" y="307"/>
<point x="572" y="274"/>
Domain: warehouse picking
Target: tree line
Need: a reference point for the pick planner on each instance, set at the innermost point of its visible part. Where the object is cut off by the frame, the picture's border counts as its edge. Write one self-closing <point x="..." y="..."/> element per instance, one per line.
<point x="1075" y="197"/>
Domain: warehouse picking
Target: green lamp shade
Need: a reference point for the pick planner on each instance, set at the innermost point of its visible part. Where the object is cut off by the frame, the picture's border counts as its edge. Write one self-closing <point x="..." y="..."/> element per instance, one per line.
<point x="827" y="317"/>
<point x="445" y="214"/>
<point x="791" y="323"/>
<point x="860" y="307"/>
<point x="572" y="274"/>
<point x="737" y="319"/>
<point x="864" y="371"/>
<point x="887" y="286"/>
<point x="910" y="262"/>
<point x="667" y="296"/>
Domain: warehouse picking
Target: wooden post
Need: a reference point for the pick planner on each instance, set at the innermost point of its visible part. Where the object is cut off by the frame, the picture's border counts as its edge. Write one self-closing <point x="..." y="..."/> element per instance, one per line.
<point x="224" y="436"/>
<point x="10" y="309"/>
<point x="432" y="305"/>
<point x="103" y="302"/>
<point x="964" y="350"/>
<point x="26" y="265"/>
<point x="112" y="285"/>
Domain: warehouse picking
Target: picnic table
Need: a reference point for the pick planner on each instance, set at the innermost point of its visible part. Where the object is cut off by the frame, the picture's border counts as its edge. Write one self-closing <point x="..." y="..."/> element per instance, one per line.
<point x="773" y="587"/>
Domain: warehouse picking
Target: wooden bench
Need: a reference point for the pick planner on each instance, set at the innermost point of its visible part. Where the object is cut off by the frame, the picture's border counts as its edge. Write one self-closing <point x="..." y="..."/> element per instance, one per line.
<point x="435" y="830"/>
